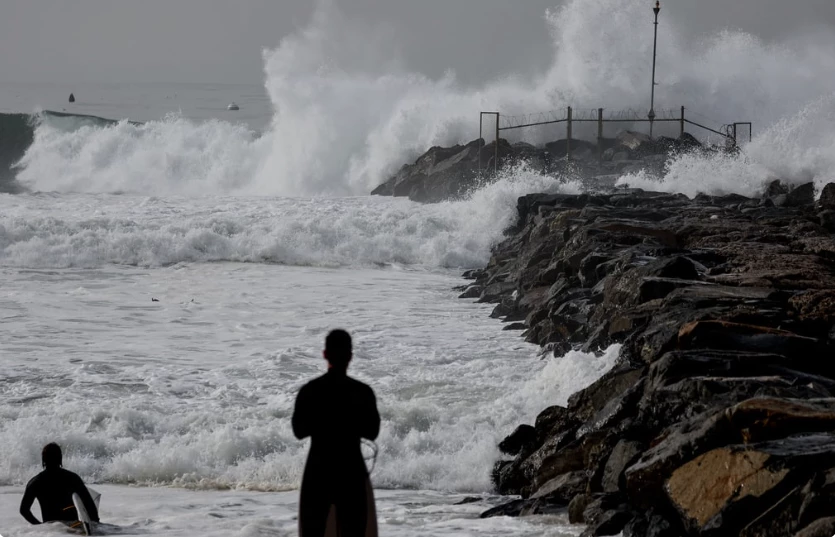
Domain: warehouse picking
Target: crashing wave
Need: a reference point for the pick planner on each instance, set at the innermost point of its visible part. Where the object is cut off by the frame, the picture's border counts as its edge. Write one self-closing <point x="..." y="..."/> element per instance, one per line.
<point x="346" y="117"/>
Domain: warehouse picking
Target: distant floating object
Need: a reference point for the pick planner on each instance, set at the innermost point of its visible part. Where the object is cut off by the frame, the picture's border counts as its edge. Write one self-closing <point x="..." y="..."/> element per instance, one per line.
<point x="72" y="98"/>
<point x="233" y="106"/>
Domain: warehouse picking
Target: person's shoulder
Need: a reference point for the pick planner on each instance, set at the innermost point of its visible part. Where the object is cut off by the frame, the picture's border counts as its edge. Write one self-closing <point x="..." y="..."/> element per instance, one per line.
<point x="312" y="384"/>
<point x="35" y="480"/>
<point x="360" y="386"/>
<point x="67" y="474"/>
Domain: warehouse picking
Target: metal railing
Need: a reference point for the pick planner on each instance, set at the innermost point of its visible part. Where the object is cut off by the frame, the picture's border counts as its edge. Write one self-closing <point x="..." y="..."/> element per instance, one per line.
<point x="600" y="116"/>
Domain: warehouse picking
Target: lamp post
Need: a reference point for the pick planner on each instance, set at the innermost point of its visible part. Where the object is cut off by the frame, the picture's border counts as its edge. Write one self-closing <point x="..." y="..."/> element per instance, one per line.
<point x="651" y="115"/>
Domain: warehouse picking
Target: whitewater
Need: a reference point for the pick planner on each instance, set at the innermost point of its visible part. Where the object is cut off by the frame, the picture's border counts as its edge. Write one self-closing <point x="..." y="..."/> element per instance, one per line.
<point x="166" y="285"/>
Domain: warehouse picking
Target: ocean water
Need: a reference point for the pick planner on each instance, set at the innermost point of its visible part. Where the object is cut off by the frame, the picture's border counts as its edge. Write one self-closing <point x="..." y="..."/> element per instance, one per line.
<point x="166" y="282"/>
<point x="161" y="341"/>
<point x="142" y="102"/>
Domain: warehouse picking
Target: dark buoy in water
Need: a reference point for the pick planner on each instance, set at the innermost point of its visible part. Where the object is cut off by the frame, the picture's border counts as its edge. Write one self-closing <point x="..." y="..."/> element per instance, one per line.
<point x="72" y="98"/>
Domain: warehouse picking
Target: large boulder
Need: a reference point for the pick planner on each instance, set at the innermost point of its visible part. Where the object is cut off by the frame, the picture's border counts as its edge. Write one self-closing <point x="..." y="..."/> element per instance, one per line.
<point x="444" y="173"/>
<point x="523" y="435"/>
<point x="823" y="527"/>
<point x="801" y="196"/>
<point x="723" y="490"/>
<point x="623" y="455"/>
<point x="827" y="199"/>
<point x="757" y="419"/>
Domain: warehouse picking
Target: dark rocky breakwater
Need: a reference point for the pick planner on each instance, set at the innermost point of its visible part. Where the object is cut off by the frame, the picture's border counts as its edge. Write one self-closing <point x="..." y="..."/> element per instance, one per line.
<point x="444" y="173"/>
<point x="719" y="418"/>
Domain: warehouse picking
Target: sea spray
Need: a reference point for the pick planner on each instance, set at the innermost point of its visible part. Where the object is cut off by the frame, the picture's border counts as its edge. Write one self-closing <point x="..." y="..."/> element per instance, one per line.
<point x="344" y="122"/>
<point x="795" y="150"/>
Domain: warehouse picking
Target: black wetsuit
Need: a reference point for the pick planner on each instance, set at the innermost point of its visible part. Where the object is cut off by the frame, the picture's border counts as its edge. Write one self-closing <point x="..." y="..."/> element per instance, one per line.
<point x="336" y="411"/>
<point x="53" y="488"/>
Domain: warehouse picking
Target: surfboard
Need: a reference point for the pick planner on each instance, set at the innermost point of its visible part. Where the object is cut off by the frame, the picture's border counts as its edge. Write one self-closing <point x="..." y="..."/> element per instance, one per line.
<point x="83" y="517"/>
<point x="83" y="524"/>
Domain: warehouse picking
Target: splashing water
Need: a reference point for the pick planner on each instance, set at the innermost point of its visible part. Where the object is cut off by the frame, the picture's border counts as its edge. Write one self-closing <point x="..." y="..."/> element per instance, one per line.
<point x="344" y="121"/>
<point x="795" y="150"/>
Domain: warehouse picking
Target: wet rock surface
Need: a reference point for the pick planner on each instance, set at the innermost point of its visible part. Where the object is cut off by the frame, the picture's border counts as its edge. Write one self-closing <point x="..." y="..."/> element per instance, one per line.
<point x="446" y="173"/>
<point x="719" y="417"/>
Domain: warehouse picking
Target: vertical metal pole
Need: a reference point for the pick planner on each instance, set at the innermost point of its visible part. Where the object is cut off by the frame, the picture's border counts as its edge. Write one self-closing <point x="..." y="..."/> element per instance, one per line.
<point x="480" y="139"/>
<point x="496" y="158"/>
<point x="651" y="115"/>
<point x="600" y="134"/>
<point x="568" y="140"/>
<point x="682" y="121"/>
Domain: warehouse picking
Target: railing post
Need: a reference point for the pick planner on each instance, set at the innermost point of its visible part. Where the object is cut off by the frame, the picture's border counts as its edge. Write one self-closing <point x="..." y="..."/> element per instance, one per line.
<point x="682" y="121"/>
<point x="480" y="139"/>
<point x="568" y="140"/>
<point x="496" y="157"/>
<point x="600" y="134"/>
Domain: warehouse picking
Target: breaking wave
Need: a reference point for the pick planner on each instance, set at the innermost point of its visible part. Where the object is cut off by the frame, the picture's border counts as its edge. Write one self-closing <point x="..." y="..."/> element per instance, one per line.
<point x="346" y="115"/>
<point x="82" y="230"/>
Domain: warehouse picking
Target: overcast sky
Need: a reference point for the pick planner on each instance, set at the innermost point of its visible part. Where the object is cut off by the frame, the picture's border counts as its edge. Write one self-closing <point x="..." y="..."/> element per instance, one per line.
<point x="75" y="41"/>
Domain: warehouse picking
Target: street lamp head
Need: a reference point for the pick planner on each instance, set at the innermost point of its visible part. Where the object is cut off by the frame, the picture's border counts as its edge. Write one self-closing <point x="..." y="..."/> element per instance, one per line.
<point x="657" y="8"/>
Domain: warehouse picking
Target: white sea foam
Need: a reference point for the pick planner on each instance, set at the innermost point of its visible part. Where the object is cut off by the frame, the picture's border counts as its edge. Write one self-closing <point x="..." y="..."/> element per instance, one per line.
<point x="196" y="390"/>
<point x="346" y="115"/>
<point x="79" y="230"/>
<point x="166" y="512"/>
<point x="796" y="150"/>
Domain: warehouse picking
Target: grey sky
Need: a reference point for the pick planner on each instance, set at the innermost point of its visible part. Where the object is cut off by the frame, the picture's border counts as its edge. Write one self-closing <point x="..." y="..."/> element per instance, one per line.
<point x="74" y="41"/>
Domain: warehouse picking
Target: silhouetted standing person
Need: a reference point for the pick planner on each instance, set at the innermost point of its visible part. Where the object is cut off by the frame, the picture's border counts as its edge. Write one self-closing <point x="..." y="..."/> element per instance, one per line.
<point x="336" y="411"/>
<point x="53" y="488"/>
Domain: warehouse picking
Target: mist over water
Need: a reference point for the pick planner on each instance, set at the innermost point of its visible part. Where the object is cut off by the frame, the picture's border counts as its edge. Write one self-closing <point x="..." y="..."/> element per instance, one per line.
<point x="346" y="114"/>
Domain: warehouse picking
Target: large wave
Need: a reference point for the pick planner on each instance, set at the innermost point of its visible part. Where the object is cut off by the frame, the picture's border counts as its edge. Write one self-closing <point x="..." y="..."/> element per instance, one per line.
<point x="346" y="114"/>
<point x="85" y="231"/>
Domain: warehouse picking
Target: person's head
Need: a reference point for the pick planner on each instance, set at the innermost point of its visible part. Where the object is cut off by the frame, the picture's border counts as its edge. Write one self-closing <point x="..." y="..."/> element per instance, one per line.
<point x="51" y="456"/>
<point x="338" y="349"/>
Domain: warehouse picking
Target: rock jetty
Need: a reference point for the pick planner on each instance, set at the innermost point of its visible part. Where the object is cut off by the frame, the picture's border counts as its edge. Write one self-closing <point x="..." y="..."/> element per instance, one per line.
<point x="444" y="173"/>
<point x="719" y="417"/>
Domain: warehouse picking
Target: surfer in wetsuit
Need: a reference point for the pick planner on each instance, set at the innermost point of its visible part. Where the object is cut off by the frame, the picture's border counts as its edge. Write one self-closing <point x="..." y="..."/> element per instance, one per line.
<point x="53" y="488"/>
<point x="336" y="411"/>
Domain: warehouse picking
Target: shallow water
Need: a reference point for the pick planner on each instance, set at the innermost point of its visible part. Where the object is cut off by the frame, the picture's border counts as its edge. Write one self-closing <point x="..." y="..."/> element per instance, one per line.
<point x="195" y="389"/>
<point x="178" y="513"/>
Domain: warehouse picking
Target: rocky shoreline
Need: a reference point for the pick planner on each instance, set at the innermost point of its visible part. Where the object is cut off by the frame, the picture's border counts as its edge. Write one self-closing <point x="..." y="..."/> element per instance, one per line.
<point x="444" y="173"/>
<point x="719" y="418"/>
